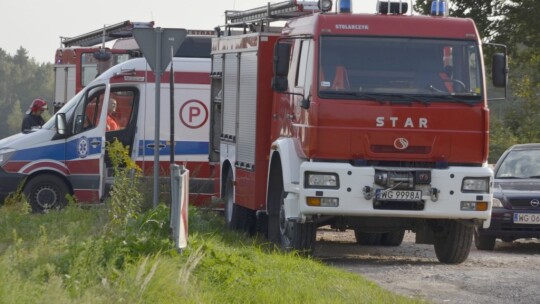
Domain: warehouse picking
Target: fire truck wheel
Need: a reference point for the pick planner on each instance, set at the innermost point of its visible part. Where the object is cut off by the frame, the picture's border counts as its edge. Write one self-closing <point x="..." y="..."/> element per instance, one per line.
<point x="453" y="244"/>
<point x="231" y="217"/>
<point x="296" y="236"/>
<point x="46" y="192"/>
<point x="394" y="238"/>
<point x="483" y="242"/>
<point x="367" y="238"/>
<point x="289" y="234"/>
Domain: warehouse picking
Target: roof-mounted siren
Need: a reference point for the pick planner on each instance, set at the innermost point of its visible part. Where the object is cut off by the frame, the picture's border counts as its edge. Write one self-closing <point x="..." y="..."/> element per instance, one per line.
<point x="325" y="5"/>
<point x="345" y="6"/>
<point x="396" y="8"/>
<point x="439" y="8"/>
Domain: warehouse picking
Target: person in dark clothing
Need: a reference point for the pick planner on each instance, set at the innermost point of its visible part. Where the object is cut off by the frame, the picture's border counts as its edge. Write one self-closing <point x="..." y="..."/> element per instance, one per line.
<point x="33" y="118"/>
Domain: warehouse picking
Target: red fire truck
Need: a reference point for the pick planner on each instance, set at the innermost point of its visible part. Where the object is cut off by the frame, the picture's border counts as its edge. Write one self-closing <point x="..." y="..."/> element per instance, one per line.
<point x="377" y="123"/>
<point x="84" y="57"/>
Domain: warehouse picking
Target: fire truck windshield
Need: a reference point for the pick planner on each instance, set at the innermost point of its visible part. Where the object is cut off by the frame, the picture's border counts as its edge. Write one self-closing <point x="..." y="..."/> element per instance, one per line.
<point x="91" y="67"/>
<point x="422" y="69"/>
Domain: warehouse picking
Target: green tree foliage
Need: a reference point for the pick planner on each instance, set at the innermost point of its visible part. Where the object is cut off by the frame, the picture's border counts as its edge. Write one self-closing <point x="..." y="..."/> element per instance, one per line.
<point x="21" y="81"/>
<point x="15" y="118"/>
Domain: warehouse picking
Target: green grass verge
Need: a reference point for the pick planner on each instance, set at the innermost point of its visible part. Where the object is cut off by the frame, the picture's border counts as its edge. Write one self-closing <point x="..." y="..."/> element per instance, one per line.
<point x="76" y="256"/>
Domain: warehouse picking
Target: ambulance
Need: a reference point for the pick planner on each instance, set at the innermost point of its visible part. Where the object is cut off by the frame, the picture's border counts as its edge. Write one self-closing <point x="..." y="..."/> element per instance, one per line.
<point x="67" y="155"/>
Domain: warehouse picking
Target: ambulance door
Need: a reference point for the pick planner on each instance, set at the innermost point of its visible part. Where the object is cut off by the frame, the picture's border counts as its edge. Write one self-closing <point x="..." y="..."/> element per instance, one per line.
<point x="122" y="113"/>
<point x="85" y="147"/>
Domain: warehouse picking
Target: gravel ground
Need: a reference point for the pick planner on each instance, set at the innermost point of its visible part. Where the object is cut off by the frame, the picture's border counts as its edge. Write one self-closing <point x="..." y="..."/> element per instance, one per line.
<point x="509" y="274"/>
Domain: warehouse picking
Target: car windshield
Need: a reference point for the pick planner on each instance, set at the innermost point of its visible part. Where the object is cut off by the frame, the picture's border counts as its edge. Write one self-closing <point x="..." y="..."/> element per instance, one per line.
<point x="399" y="69"/>
<point x="520" y="164"/>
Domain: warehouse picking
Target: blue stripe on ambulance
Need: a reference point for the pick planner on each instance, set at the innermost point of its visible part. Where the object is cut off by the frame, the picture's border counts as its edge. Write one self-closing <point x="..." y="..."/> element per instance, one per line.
<point x="180" y="147"/>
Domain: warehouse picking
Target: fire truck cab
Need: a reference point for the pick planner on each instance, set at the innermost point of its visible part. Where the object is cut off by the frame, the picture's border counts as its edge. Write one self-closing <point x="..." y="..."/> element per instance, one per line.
<point x="372" y="122"/>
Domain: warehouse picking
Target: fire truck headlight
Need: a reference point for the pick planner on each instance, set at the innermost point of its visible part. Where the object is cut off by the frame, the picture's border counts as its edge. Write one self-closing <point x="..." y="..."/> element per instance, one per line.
<point x="5" y="155"/>
<point x="321" y="180"/>
<point x="325" y="5"/>
<point x="475" y="185"/>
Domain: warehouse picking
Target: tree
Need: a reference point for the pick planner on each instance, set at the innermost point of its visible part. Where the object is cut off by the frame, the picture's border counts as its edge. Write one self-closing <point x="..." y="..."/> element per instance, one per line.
<point x="15" y="118"/>
<point x="21" y="80"/>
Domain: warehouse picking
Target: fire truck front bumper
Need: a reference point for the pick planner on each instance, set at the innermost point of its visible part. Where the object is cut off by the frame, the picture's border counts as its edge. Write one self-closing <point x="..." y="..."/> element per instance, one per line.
<point x="430" y="193"/>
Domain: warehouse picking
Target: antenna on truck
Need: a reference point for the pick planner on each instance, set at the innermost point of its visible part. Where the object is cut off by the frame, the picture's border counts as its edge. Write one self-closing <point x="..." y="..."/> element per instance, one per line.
<point x="259" y="19"/>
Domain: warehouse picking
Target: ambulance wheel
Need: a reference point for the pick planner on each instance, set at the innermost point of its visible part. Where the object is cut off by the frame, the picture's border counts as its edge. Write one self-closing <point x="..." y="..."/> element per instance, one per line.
<point x="453" y="244"/>
<point x="46" y="192"/>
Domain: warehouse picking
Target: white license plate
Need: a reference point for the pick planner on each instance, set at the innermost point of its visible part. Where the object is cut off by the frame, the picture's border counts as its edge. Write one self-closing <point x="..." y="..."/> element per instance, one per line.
<point x="527" y="218"/>
<point x="398" y="195"/>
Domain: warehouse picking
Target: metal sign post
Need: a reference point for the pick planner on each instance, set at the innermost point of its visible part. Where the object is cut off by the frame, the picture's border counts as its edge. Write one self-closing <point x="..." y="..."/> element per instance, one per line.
<point x="156" y="45"/>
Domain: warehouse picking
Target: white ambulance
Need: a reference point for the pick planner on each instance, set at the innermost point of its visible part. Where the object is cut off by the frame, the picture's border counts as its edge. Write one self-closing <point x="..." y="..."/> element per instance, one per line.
<point x="67" y="155"/>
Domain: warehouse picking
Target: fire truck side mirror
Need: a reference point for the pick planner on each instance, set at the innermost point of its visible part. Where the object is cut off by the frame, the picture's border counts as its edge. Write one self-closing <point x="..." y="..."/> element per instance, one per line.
<point x="60" y="123"/>
<point x="499" y="70"/>
<point x="282" y="53"/>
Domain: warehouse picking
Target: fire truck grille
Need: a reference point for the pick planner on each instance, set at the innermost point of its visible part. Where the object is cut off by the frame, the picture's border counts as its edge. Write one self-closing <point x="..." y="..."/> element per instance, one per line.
<point x="398" y="205"/>
<point x="409" y="150"/>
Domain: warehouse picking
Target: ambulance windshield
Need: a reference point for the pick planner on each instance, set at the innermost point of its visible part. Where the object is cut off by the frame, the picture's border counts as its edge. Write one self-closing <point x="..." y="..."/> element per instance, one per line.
<point x="356" y="67"/>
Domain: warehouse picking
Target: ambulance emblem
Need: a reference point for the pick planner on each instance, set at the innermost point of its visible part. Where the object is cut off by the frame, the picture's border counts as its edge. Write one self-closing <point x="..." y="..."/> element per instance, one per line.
<point x="83" y="147"/>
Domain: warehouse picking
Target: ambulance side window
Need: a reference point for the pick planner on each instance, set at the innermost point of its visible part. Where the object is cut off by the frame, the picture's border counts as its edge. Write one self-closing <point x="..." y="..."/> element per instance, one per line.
<point x="88" y="110"/>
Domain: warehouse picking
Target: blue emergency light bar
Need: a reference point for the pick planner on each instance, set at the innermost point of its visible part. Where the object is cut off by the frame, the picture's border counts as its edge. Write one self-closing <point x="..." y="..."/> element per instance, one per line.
<point x="439" y="8"/>
<point x="345" y="6"/>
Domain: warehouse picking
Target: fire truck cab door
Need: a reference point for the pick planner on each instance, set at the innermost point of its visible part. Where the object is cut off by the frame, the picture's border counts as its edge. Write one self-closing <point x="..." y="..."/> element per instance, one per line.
<point x="85" y="145"/>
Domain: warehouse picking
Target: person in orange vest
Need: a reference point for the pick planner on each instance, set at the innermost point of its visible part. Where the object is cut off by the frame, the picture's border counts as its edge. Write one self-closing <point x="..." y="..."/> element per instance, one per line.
<point x="33" y="118"/>
<point x="112" y="124"/>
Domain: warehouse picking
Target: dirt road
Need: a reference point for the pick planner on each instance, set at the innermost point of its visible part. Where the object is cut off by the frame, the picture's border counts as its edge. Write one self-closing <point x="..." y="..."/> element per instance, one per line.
<point x="509" y="274"/>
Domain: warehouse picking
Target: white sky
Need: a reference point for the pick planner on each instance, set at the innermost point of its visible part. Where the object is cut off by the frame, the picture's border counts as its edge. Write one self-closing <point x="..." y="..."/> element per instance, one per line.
<point x="37" y="25"/>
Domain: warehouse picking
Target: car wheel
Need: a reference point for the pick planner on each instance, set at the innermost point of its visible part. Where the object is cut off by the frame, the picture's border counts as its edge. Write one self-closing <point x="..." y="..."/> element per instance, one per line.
<point x="483" y="242"/>
<point x="46" y="192"/>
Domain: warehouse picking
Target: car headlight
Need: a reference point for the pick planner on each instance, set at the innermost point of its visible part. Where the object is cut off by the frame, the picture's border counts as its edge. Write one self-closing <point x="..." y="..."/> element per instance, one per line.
<point x="5" y="155"/>
<point x="475" y="184"/>
<point x="496" y="203"/>
<point x="321" y="180"/>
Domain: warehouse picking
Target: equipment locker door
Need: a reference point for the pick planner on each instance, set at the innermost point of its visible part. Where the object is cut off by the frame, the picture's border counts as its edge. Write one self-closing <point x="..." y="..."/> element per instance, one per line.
<point x="85" y="147"/>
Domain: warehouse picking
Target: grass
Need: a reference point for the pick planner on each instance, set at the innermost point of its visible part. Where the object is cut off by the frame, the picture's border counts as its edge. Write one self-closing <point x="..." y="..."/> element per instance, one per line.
<point x="76" y="256"/>
<point x="116" y="253"/>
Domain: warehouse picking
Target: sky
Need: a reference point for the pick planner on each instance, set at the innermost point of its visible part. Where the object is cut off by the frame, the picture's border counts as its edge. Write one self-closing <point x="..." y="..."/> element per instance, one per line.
<point x="37" y="25"/>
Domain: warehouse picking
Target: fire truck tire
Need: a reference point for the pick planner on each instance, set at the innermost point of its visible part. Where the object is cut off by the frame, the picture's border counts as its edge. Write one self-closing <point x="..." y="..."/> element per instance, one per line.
<point x="453" y="245"/>
<point x="230" y="212"/>
<point x="288" y="234"/>
<point x="274" y="202"/>
<point x="394" y="238"/>
<point x="46" y="192"/>
<point x="483" y="242"/>
<point x="367" y="238"/>
<point x="237" y="217"/>
<point x="300" y="237"/>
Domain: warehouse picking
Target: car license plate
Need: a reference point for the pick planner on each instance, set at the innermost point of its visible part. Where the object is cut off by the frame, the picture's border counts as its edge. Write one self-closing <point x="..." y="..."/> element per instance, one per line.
<point x="398" y="195"/>
<point x="527" y="218"/>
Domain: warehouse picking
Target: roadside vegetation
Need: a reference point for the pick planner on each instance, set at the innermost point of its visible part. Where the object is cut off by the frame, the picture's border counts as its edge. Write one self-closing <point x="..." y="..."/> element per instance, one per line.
<point x="116" y="253"/>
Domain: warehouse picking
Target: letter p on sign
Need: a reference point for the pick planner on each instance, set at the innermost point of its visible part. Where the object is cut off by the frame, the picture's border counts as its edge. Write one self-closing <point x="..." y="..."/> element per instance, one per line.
<point x="193" y="114"/>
